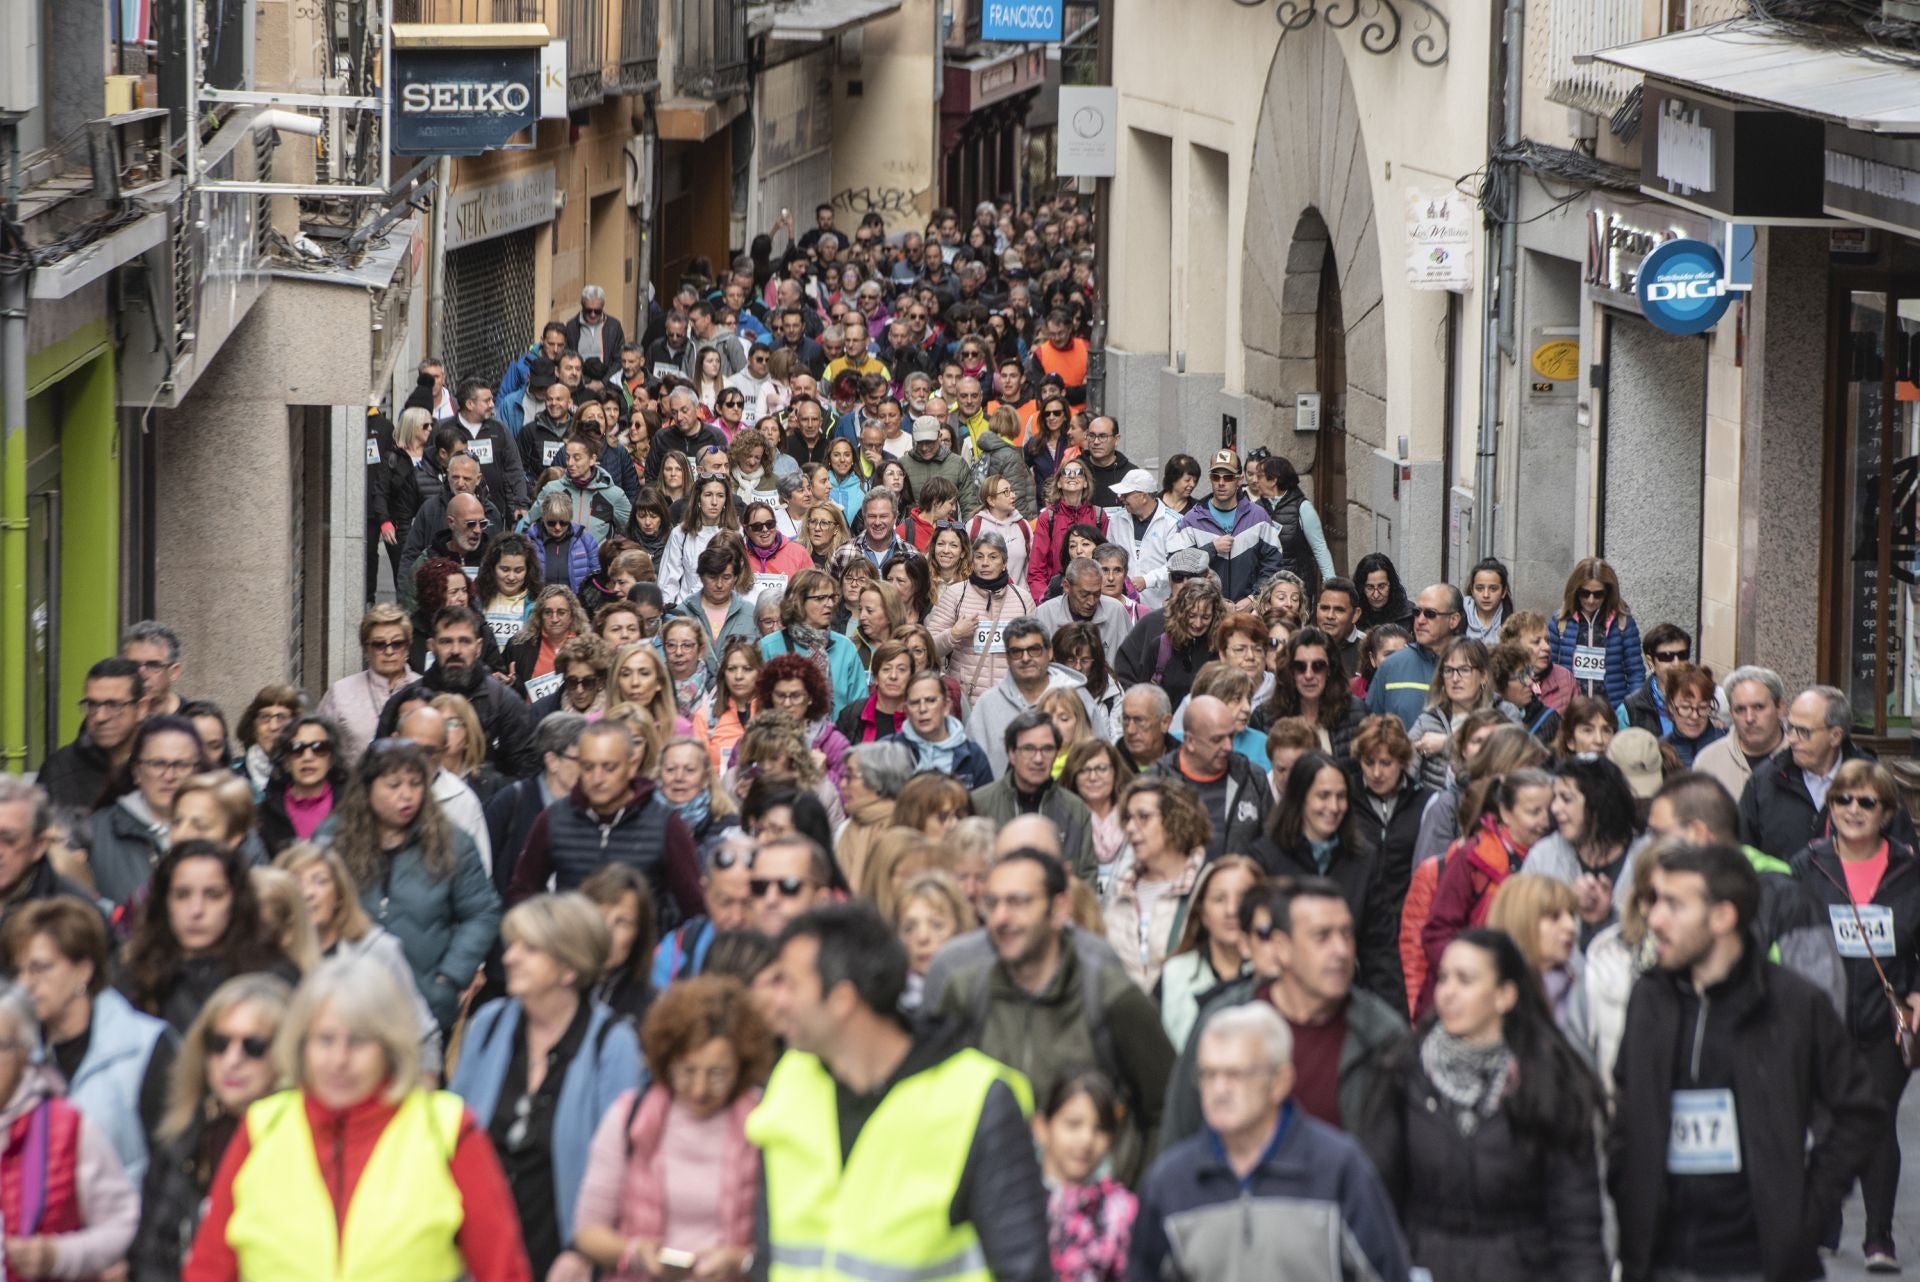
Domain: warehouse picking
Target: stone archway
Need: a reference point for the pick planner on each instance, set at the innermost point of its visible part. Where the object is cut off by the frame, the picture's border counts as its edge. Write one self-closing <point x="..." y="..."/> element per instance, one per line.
<point x="1312" y="244"/>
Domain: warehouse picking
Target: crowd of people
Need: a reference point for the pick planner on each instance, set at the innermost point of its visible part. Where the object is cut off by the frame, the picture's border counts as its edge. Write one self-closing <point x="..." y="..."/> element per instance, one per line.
<point x="820" y="810"/>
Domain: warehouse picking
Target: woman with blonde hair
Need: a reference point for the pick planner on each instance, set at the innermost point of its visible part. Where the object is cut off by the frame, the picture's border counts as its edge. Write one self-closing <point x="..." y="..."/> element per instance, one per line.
<point x="775" y="747"/>
<point x="341" y="928"/>
<point x="640" y="676"/>
<point x="930" y="910"/>
<point x="896" y="857"/>
<point x="466" y="754"/>
<point x="406" y="1184"/>
<point x="215" y="806"/>
<point x="1212" y="949"/>
<point x="284" y="915"/>
<point x="223" y="1066"/>
<point x="1541" y="914"/>
<point x="826" y="530"/>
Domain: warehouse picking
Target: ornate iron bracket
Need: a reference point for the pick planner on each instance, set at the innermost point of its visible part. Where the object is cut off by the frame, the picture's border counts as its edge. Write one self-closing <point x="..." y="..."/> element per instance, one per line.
<point x="1381" y="23"/>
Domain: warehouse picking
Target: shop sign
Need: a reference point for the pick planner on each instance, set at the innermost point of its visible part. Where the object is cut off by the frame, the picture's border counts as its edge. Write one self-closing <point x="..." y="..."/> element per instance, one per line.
<point x="513" y="204"/>
<point x="1616" y="247"/>
<point x="1043" y="20"/>
<point x="462" y="102"/>
<point x="1086" y="131"/>
<point x="1682" y="287"/>
<point x="1439" y="239"/>
<point x="1873" y="180"/>
<point x="1728" y="160"/>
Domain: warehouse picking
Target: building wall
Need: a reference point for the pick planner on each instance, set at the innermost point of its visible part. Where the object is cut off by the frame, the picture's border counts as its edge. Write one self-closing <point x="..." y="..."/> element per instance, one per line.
<point x="884" y="157"/>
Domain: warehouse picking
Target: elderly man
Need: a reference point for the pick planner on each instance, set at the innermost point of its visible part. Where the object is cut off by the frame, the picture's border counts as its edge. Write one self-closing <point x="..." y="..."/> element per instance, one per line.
<point x="1232" y="789"/>
<point x="595" y="332"/>
<point x="1400" y="686"/>
<point x="727" y="881"/>
<point x="1784" y="805"/>
<point x="682" y="431"/>
<point x="1266" y="1190"/>
<point x="463" y="477"/>
<point x="156" y="648"/>
<point x="1082" y="601"/>
<point x="460" y="541"/>
<point x="807" y="440"/>
<point x="1757" y="700"/>
<point x="929" y="458"/>
<point x="1142" y="527"/>
<point x="1146" y="716"/>
<point x="426" y="726"/>
<point x="1032" y="744"/>
<point x="969" y="410"/>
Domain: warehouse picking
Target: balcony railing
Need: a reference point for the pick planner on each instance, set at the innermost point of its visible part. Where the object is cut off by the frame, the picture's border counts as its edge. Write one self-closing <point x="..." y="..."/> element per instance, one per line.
<point x="638" y="71"/>
<point x="583" y="25"/>
<point x="1579" y="27"/>
<point x="712" y="61"/>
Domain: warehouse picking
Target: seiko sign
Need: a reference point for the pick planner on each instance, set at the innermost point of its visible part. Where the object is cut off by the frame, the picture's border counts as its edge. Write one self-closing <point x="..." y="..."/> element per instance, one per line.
<point x="499" y="97"/>
<point x="461" y="102"/>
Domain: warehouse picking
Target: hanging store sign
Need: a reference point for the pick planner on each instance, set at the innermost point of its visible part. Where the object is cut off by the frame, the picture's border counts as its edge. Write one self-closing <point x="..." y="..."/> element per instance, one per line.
<point x="1682" y="287"/>
<point x="462" y="102"/>
<point x="1873" y="180"/>
<point x="1087" y="133"/>
<point x="1727" y="160"/>
<point x="1439" y="239"/>
<point x="1039" y="20"/>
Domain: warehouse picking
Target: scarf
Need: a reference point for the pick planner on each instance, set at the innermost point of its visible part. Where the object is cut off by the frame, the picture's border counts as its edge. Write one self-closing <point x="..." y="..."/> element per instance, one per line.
<point x="779" y="541"/>
<point x="989" y="586"/>
<point x="696" y="810"/>
<point x="1472" y="1076"/>
<point x="812" y="643"/>
<point x="938" y="755"/>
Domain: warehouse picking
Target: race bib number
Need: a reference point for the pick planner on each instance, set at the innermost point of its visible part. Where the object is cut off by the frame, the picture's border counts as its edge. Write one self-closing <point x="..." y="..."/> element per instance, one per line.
<point x="373" y="451"/>
<point x="505" y="625"/>
<point x="540" y="687"/>
<point x="471" y="571"/>
<point x="1590" y="663"/>
<point x="547" y="450"/>
<point x="481" y="448"/>
<point x="663" y="368"/>
<point x="768" y="583"/>
<point x="1847" y="937"/>
<point x="1704" y="1134"/>
<point x="989" y="638"/>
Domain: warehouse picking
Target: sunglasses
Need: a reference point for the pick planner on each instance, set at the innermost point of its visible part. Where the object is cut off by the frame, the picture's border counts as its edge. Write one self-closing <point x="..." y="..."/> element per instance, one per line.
<point x="1587" y="595"/>
<point x="1265" y="932"/>
<point x="386" y="647"/>
<point x="1427" y="612"/>
<point x="1314" y="667"/>
<point x="580" y="683"/>
<point x="1865" y="801"/>
<point x="310" y="747"/>
<point x="759" y="527"/>
<point x="789" y="887"/>
<point x="251" y="1047"/>
<point x="1670" y="656"/>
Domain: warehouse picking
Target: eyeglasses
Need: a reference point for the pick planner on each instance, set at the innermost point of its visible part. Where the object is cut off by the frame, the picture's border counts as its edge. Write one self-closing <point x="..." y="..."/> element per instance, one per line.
<point x="310" y="747"/>
<point x="154" y="665"/>
<point x="1802" y="732"/>
<point x="1865" y="801"/>
<point x="1054" y="413"/>
<point x="387" y="647"/>
<point x="822" y="596"/>
<point x="1693" y="709"/>
<point x="251" y="1047"/>
<point x="160" y="767"/>
<point x="106" y="705"/>
<point x="480" y="524"/>
<point x="1025" y="651"/>
<point x="1458" y="670"/>
<point x="1034" y="750"/>
<point x="1266" y="931"/>
<point x="1428" y="612"/>
<point x="1306" y="667"/>
<point x="789" y="887"/>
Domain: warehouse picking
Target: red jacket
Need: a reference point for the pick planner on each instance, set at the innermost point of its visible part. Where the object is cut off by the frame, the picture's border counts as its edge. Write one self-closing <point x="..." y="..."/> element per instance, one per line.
<point x="1474" y="868"/>
<point x="489" y="1237"/>
<point x="786" y="557"/>
<point x="1047" y="557"/>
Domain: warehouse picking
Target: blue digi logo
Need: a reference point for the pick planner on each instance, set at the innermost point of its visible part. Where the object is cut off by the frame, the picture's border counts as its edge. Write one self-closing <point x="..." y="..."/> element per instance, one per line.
<point x="1682" y="287"/>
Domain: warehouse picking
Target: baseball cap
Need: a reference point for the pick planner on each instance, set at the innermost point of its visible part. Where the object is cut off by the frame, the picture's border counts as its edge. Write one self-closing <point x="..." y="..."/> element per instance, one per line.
<point x="540" y="375"/>
<point x="1138" y="481"/>
<point x="1187" y="563"/>
<point x="1637" y="753"/>
<point x="1224" y="461"/>
<point x="926" y="428"/>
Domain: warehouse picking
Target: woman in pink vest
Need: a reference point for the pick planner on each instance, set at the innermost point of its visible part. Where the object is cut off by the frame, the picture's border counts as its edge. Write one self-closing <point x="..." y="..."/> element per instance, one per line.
<point x="672" y="1179"/>
<point x="70" y="1210"/>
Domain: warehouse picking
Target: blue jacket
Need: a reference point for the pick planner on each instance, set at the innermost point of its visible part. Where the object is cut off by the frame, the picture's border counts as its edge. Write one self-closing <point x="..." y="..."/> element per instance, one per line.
<point x="970" y="766"/>
<point x="607" y="1064"/>
<point x="738" y="623"/>
<point x="683" y="953"/>
<point x="513" y="384"/>
<point x="583" y="552"/>
<point x="106" y="1086"/>
<point x="1400" y="684"/>
<point x="1626" y="667"/>
<point x="843" y="661"/>
<point x="849" y="492"/>
<point x="1255" y="557"/>
<point x="1311" y="1210"/>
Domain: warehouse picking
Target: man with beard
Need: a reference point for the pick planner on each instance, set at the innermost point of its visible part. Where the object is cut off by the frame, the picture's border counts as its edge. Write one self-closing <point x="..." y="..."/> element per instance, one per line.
<point x="1048" y="999"/>
<point x="458" y="669"/>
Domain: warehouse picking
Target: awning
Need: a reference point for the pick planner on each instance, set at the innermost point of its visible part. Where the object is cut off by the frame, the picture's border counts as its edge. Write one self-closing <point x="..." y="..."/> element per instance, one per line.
<point x="815" y="20"/>
<point x="1752" y="61"/>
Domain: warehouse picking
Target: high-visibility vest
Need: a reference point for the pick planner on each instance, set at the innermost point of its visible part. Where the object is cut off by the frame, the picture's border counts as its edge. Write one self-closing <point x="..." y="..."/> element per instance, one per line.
<point x="884" y="1216"/>
<point x="1070" y="365"/>
<point x="401" y="1218"/>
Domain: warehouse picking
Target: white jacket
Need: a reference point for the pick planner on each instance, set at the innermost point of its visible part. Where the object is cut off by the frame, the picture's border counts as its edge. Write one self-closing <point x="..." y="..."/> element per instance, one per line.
<point x="1146" y="555"/>
<point x="679" y="568"/>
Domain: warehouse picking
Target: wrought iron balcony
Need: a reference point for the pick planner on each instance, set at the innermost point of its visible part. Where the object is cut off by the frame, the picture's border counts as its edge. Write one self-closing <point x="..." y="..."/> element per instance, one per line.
<point x="638" y="71"/>
<point x="712" y="55"/>
<point x="583" y="25"/>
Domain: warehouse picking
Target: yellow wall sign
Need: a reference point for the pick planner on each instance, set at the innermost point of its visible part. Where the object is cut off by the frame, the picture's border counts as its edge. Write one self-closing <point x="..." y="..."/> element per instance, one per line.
<point x="1558" y="359"/>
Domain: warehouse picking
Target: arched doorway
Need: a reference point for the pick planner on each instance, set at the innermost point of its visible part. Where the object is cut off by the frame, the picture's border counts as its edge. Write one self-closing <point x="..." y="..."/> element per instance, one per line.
<point x="1312" y="319"/>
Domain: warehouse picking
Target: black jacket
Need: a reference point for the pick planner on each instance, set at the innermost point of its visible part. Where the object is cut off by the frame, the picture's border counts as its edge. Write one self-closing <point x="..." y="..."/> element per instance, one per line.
<point x="393" y="490"/>
<point x="671" y="439"/>
<point x="1389" y="842"/>
<point x="1777" y="812"/>
<point x="494" y="450"/>
<point x="613" y="336"/>
<point x="1376" y="918"/>
<point x="1140" y="657"/>
<point x="510" y="817"/>
<point x="505" y="717"/>
<point x="179" y="1175"/>
<point x="75" y="776"/>
<point x="1493" y="1206"/>
<point x="1237" y="809"/>
<point x="1790" y="1060"/>
<point x="1641" y="712"/>
<point x="1818" y="870"/>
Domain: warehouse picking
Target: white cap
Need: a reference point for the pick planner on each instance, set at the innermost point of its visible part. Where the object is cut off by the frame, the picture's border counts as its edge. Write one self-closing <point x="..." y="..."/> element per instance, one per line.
<point x="1138" y="481"/>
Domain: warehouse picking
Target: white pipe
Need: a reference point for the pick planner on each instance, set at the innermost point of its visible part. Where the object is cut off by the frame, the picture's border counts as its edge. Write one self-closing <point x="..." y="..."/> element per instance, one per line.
<point x="287" y="122"/>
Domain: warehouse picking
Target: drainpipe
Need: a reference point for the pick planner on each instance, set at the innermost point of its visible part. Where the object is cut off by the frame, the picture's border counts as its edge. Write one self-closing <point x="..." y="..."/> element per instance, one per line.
<point x="1497" y="332"/>
<point x="437" y="257"/>
<point x="13" y="486"/>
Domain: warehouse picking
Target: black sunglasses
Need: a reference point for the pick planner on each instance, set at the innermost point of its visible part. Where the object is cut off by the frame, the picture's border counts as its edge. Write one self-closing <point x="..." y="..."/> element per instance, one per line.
<point x="1670" y="656"/>
<point x="1426" y="612"/>
<point x="1866" y="801"/>
<point x="790" y="887"/>
<point x="251" y="1047"/>
<point x="1314" y="667"/>
<point x="314" y="747"/>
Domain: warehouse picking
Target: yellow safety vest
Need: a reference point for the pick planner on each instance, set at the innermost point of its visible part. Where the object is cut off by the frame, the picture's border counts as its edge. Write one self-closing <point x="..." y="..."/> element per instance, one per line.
<point x="884" y="1217"/>
<point x="400" y="1222"/>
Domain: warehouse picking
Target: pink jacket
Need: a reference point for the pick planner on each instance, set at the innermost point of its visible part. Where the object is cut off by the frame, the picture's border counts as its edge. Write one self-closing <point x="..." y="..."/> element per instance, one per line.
<point x="625" y="1186"/>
